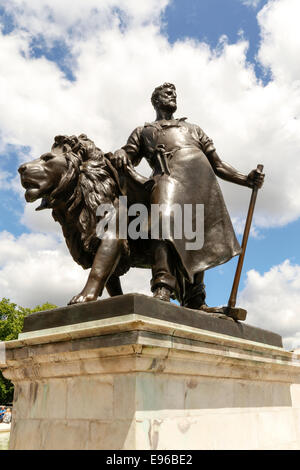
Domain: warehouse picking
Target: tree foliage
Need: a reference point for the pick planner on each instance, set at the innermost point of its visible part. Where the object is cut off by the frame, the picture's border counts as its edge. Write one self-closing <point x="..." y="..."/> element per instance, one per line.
<point x="11" y="324"/>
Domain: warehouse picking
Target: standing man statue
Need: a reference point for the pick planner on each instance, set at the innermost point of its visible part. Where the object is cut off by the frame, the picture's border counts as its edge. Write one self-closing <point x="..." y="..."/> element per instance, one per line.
<point x="185" y="165"/>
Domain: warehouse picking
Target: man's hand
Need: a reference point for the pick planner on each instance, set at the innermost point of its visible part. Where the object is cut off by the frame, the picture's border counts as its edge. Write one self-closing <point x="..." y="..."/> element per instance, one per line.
<point x="255" y="178"/>
<point x="120" y="159"/>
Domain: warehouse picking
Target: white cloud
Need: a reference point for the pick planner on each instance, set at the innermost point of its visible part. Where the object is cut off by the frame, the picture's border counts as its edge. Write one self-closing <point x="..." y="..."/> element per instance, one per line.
<point x="115" y="71"/>
<point x="137" y="280"/>
<point x="56" y="19"/>
<point x="279" y="51"/>
<point x="251" y="3"/>
<point x="41" y="221"/>
<point x="36" y="268"/>
<point x="115" y="76"/>
<point x="272" y="300"/>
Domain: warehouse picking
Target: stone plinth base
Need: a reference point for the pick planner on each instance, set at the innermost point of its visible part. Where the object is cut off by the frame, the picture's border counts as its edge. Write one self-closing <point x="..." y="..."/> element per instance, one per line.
<point x="135" y="382"/>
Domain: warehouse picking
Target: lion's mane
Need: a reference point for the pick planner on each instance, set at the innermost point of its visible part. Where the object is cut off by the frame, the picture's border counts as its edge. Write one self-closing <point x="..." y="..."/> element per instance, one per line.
<point x="89" y="181"/>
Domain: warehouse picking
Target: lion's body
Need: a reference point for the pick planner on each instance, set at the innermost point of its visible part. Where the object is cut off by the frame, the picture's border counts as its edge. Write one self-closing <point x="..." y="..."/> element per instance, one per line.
<point x="74" y="179"/>
<point x="96" y="183"/>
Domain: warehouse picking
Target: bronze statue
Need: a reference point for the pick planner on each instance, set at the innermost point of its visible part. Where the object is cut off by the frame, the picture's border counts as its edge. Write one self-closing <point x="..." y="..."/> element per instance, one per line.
<point x="75" y="178"/>
<point x="185" y="164"/>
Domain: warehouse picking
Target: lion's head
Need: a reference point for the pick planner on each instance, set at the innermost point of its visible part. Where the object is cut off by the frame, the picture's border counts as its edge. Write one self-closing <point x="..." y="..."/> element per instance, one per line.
<point x="71" y="158"/>
<point x="73" y="179"/>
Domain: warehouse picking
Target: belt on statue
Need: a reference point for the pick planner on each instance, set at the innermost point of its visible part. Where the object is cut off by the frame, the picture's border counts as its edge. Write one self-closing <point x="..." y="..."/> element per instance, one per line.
<point x="163" y="157"/>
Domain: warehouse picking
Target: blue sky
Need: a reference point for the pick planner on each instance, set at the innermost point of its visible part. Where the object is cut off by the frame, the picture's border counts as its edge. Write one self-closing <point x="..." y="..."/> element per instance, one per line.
<point x="210" y="20"/>
<point x="271" y="248"/>
<point x="236" y="72"/>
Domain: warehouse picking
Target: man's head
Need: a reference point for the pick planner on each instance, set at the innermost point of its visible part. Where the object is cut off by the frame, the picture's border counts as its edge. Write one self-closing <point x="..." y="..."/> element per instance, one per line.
<point x="164" y="97"/>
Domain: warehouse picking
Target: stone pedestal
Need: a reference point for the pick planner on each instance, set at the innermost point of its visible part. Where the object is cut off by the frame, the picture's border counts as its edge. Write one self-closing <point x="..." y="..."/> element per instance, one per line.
<point x="4" y="436"/>
<point x="141" y="380"/>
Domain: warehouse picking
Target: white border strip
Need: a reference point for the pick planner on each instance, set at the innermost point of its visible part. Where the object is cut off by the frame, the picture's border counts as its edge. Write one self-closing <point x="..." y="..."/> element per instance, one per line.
<point x="2" y="352"/>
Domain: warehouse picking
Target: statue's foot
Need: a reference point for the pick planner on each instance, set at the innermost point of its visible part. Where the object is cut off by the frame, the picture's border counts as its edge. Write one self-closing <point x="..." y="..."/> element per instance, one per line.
<point x="196" y="303"/>
<point x="162" y="293"/>
<point x="195" y="297"/>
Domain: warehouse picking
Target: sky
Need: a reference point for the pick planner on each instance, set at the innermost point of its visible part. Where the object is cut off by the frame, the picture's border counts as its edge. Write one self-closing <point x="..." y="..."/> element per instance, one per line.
<point x="91" y="65"/>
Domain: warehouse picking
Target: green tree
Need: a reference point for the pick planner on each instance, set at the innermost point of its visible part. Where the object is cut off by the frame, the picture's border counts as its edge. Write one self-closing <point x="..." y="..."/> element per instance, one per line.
<point x="11" y="324"/>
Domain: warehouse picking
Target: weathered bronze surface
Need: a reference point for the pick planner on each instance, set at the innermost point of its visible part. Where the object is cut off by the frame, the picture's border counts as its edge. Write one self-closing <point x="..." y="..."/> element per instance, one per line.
<point x="73" y="179"/>
<point x="185" y="165"/>
<point x="76" y="177"/>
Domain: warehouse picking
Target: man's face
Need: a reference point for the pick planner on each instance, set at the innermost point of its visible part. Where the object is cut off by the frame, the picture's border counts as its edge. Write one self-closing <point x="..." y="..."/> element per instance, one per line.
<point x="166" y="99"/>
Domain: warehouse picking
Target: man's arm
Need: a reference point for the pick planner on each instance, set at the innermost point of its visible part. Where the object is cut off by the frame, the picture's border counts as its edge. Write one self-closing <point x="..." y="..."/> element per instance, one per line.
<point x="224" y="170"/>
<point x="228" y="173"/>
<point x="131" y="152"/>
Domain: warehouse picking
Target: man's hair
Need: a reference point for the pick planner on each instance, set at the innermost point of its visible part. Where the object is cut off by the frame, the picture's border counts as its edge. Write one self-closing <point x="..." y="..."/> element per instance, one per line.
<point x="158" y="89"/>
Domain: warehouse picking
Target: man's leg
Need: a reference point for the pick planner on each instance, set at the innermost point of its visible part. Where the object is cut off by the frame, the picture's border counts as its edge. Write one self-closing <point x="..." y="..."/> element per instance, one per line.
<point x="194" y="295"/>
<point x="163" y="281"/>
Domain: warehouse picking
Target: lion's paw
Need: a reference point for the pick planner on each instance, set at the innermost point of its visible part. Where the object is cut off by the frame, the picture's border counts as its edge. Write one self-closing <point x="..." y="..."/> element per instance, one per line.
<point x="82" y="298"/>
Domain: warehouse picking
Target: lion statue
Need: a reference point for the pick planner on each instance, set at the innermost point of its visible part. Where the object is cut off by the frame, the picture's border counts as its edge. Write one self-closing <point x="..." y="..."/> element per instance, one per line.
<point x="73" y="180"/>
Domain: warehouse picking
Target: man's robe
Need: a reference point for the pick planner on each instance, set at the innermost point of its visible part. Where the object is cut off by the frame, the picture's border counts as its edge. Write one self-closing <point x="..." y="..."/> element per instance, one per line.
<point x="189" y="179"/>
